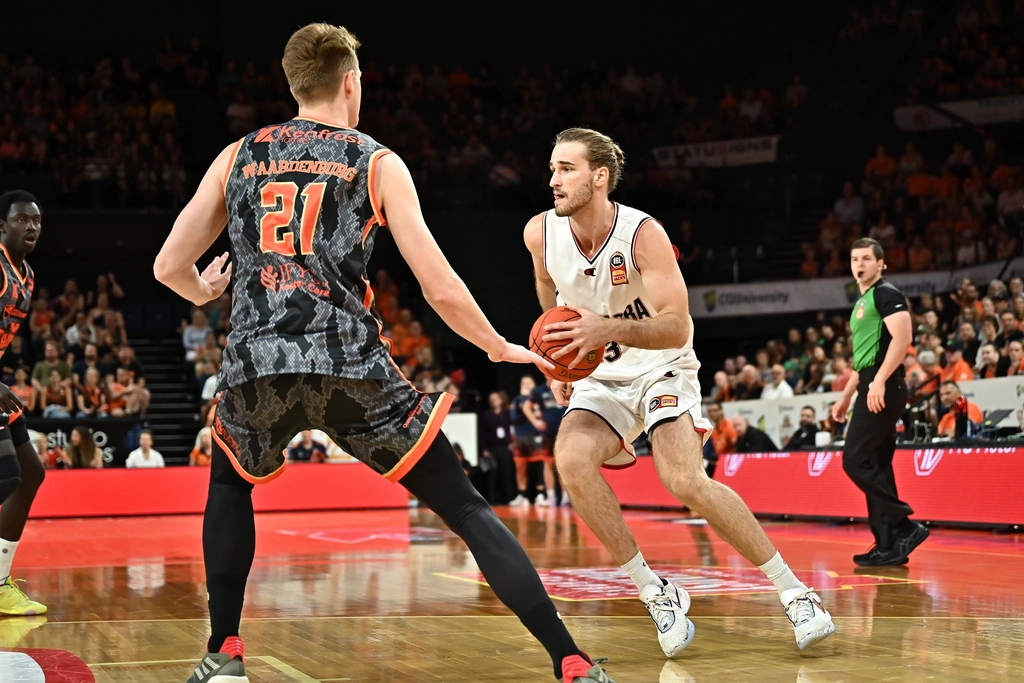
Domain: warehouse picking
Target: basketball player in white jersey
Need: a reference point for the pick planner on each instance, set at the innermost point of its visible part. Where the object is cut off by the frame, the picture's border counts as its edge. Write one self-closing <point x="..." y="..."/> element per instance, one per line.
<point x="614" y="265"/>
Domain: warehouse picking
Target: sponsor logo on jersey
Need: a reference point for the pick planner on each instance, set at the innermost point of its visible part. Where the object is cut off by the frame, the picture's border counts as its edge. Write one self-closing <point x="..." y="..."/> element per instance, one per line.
<point x="287" y="134"/>
<point x="617" y="263"/>
<point x="311" y="166"/>
<point x="590" y="272"/>
<point x="817" y="462"/>
<point x="925" y="461"/>
<point x="663" y="402"/>
<point x="289" y="276"/>
<point x="860" y="310"/>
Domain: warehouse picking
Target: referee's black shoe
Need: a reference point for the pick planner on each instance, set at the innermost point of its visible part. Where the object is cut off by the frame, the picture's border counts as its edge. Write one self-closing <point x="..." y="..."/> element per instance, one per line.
<point x="906" y="542"/>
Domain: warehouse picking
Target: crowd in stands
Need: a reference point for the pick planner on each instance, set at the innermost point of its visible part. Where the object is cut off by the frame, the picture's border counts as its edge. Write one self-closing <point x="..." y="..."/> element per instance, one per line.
<point x="72" y="359"/>
<point x="980" y="58"/>
<point x="98" y="136"/>
<point x="970" y="211"/>
<point x="458" y="124"/>
<point x="883" y="20"/>
<point x="960" y="336"/>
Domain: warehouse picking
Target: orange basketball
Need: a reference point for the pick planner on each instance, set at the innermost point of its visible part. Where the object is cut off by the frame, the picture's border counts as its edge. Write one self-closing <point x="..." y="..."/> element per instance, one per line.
<point x="562" y="372"/>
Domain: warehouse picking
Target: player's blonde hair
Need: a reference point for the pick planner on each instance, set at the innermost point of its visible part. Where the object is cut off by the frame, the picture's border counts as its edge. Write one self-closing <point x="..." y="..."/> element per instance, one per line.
<point x="601" y="151"/>
<point x="316" y="59"/>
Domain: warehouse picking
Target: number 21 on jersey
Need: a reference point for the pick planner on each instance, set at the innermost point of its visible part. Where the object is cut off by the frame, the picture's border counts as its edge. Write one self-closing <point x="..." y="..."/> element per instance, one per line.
<point x="277" y="233"/>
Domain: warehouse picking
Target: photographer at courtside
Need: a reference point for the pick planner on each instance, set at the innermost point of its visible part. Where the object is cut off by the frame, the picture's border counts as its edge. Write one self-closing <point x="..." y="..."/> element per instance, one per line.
<point x="880" y="334"/>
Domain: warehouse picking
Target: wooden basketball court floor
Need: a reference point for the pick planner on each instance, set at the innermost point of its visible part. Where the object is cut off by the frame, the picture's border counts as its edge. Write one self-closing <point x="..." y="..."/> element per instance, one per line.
<point x="392" y="596"/>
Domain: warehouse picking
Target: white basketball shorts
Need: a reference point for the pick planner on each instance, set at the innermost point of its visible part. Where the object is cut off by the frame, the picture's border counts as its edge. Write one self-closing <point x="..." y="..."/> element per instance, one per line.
<point x="632" y="407"/>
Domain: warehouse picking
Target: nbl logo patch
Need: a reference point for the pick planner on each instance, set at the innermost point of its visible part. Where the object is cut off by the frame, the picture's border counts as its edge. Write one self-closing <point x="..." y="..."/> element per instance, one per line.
<point x="663" y="402"/>
<point x="860" y="310"/>
<point x="618" y="268"/>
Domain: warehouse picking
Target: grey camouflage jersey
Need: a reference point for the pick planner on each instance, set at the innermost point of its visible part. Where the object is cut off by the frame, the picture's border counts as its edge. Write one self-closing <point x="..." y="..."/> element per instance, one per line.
<point x="302" y="221"/>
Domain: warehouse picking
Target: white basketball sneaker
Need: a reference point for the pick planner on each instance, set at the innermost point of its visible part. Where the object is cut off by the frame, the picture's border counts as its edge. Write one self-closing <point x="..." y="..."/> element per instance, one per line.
<point x="668" y="606"/>
<point x="519" y="502"/>
<point x="811" y="623"/>
<point x="541" y="501"/>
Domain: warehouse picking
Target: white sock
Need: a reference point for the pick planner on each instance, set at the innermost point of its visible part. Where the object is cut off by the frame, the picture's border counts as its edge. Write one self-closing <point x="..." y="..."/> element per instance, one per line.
<point x="7" y="549"/>
<point x="779" y="573"/>
<point x="551" y="495"/>
<point x="641" y="573"/>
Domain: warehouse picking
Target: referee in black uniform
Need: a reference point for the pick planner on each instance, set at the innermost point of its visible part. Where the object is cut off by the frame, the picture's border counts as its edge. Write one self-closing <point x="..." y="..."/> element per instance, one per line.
<point x="880" y="328"/>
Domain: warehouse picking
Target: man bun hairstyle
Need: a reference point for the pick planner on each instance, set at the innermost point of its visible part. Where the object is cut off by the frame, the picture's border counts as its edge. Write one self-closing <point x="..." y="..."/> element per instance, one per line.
<point x="601" y="150"/>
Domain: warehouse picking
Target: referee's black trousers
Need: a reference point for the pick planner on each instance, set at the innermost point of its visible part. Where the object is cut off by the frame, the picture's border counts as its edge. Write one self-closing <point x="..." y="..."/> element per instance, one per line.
<point x="867" y="455"/>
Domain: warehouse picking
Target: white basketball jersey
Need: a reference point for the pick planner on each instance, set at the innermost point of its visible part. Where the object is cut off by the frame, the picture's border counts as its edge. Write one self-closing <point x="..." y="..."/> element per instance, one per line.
<point x="608" y="284"/>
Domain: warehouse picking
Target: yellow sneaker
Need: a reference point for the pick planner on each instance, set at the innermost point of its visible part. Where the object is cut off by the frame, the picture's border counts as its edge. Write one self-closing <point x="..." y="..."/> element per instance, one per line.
<point x="14" y="603"/>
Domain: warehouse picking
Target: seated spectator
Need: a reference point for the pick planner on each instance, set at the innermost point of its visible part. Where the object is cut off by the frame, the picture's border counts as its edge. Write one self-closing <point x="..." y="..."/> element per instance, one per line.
<point x="307" y="450"/>
<point x="91" y="400"/>
<point x="413" y="343"/>
<point x="122" y="394"/>
<point x="948" y="394"/>
<point x="748" y="388"/>
<point x="810" y="382"/>
<point x="992" y="363"/>
<point x="74" y="334"/>
<point x="14" y="357"/>
<point x="989" y="328"/>
<point x="55" y="399"/>
<point x="98" y="313"/>
<point x="764" y="367"/>
<point x="83" y="451"/>
<point x="723" y="436"/>
<point x="208" y="395"/>
<point x="803" y="438"/>
<point x="145" y="455"/>
<point x="41" y="319"/>
<point x="105" y="285"/>
<point x="51" y="458"/>
<point x="928" y="373"/>
<point x="400" y="330"/>
<point x="970" y="341"/>
<point x="90" y="359"/>
<point x="69" y="303"/>
<point x="1011" y="200"/>
<point x="202" y="452"/>
<point x="883" y="229"/>
<point x="1015" y="353"/>
<point x="843" y="373"/>
<point x="834" y="267"/>
<point x="126" y="360"/>
<point x="751" y="439"/>
<point x="778" y="387"/>
<point x="193" y="335"/>
<point x="76" y="351"/>
<point x="920" y="258"/>
<point x="1010" y="331"/>
<point x="722" y="392"/>
<point x="23" y="390"/>
<point x="957" y="369"/>
<point x="880" y="171"/>
<point x="41" y="371"/>
<point x="849" y="208"/>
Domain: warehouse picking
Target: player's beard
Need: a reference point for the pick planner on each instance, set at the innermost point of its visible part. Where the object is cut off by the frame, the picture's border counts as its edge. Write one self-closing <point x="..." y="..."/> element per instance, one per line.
<point x="576" y="201"/>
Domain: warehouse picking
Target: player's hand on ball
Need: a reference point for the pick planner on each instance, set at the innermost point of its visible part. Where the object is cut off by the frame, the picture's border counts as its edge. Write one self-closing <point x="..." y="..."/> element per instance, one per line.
<point x="588" y="333"/>
<point x="839" y="409"/>
<point x="514" y="353"/>
<point x="562" y="392"/>
<point x="217" y="276"/>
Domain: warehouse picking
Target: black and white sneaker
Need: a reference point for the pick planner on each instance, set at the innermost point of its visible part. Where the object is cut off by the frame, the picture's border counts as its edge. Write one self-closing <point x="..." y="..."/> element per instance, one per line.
<point x="225" y="666"/>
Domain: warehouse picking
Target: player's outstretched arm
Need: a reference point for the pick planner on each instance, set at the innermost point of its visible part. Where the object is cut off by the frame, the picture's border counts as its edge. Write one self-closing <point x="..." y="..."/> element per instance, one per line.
<point x="195" y="230"/>
<point x="443" y="289"/>
<point x="533" y="235"/>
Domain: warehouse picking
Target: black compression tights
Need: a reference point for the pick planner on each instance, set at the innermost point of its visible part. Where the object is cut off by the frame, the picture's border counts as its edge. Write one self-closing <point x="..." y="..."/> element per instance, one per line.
<point x="440" y="483"/>
<point x="438" y="480"/>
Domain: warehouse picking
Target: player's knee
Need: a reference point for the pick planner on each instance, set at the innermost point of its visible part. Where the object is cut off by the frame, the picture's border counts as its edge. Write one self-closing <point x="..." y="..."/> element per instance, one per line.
<point x="32" y="477"/>
<point x="687" y="488"/>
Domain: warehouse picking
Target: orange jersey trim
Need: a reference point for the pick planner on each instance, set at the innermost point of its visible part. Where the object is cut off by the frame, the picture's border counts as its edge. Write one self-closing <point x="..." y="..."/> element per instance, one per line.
<point x="371" y="185"/>
<point x="14" y="416"/>
<point x="322" y="123"/>
<point x="17" y="271"/>
<point x="231" y="164"/>
<point x="426" y="439"/>
<point x="238" y="466"/>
